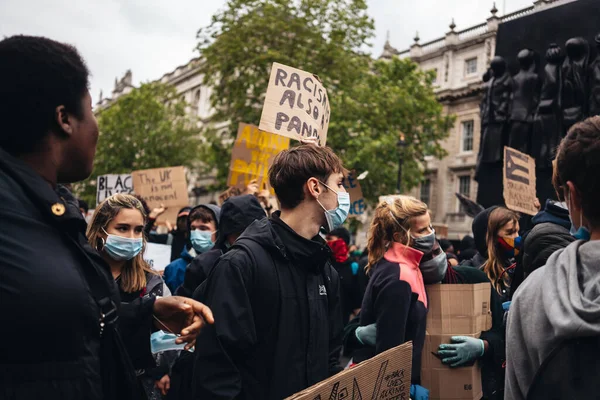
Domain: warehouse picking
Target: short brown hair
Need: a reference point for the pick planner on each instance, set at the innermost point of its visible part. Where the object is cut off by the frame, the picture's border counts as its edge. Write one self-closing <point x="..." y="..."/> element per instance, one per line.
<point x="203" y="214"/>
<point x="578" y="161"/>
<point x="292" y="168"/>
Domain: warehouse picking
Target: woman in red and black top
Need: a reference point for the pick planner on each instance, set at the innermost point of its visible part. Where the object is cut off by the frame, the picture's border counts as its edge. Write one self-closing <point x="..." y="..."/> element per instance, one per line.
<point x="400" y="235"/>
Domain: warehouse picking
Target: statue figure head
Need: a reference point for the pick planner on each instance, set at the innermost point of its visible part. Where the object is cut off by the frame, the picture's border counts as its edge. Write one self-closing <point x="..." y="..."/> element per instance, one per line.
<point x="577" y="49"/>
<point x="498" y="66"/>
<point x="554" y="54"/>
<point x="526" y="60"/>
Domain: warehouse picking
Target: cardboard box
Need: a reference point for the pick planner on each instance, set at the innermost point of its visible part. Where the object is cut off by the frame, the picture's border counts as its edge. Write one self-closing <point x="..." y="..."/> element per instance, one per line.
<point x="384" y="377"/>
<point x="453" y="384"/>
<point x="430" y="348"/>
<point x="458" y="309"/>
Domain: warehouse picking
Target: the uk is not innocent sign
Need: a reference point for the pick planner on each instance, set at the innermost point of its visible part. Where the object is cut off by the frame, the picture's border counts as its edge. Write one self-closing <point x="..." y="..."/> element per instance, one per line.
<point x="296" y="105"/>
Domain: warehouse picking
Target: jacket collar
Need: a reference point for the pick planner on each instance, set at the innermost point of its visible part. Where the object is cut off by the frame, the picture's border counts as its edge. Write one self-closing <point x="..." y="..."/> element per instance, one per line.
<point x="401" y="254"/>
<point x="59" y="204"/>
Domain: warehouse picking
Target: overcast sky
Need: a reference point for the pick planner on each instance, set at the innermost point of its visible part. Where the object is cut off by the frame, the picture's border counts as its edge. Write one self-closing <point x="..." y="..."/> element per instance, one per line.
<point x="152" y="37"/>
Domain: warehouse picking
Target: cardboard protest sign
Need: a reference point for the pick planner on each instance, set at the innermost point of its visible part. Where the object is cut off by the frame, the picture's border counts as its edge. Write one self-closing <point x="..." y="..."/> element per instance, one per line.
<point x="519" y="181"/>
<point x="252" y="156"/>
<point x="296" y="105"/>
<point x="158" y="256"/>
<point x="107" y="185"/>
<point x="383" y="377"/>
<point x="357" y="201"/>
<point x="166" y="186"/>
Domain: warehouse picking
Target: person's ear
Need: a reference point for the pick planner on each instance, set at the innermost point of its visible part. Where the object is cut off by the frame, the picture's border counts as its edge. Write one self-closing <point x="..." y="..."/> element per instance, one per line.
<point x="574" y="196"/>
<point x="64" y="120"/>
<point x="313" y="187"/>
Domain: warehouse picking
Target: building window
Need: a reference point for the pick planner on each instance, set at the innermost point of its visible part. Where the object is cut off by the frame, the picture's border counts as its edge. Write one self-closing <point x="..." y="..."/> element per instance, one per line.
<point x="471" y="66"/>
<point x="467" y="136"/>
<point x="464" y="188"/>
<point x="425" y="194"/>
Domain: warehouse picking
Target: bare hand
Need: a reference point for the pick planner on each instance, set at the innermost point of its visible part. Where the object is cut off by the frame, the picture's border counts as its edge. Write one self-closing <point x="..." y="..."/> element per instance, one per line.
<point x="157" y="212"/>
<point x="310" y="140"/>
<point x="537" y="204"/>
<point x="252" y="187"/>
<point x="184" y="316"/>
<point x="164" y="384"/>
<point x="169" y="226"/>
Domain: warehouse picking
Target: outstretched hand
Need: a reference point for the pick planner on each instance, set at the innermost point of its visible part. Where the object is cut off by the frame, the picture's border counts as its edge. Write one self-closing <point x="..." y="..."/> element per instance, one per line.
<point x="183" y="316"/>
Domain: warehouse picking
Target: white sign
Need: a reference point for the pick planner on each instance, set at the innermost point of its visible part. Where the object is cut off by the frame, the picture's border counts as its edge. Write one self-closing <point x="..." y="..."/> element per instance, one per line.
<point x="158" y="256"/>
<point x="107" y="185"/>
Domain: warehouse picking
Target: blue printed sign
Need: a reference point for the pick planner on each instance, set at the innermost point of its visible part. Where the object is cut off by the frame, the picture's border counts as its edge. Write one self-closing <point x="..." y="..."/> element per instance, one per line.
<point x="357" y="201"/>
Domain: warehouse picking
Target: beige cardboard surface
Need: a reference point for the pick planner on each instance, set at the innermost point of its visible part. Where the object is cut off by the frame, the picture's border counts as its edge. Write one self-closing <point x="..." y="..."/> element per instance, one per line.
<point x="384" y="377"/>
<point x="357" y="200"/>
<point x="453" y="384"/>
<point x="458" y="309"/>
<point x="252" y="155"/>
<point x="519" y="181"/>
<point x="296" y="105"/>
<point x="166" y="186"/>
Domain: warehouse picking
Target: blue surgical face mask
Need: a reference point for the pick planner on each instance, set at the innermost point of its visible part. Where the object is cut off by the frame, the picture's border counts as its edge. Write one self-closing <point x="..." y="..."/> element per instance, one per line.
<point x="201" y="240"/>
<point x="582" y="233"/>
<point x="121" y="248"/>
<point x="336" y="217"/>
<point x="162" y="341"/>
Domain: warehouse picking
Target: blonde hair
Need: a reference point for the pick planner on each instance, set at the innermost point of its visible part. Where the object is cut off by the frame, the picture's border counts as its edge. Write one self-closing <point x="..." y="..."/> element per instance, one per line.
<point x="392" y="216"/>
<point x="133" y="276"/>
<point x="494" y="266"/>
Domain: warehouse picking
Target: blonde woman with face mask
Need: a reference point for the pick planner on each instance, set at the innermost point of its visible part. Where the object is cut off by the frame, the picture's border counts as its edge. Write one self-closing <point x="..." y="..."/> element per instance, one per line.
<point x="394" y="307"/>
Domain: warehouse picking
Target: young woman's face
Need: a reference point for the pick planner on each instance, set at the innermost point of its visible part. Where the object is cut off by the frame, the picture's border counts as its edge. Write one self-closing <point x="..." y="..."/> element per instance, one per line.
<point x="128" y="223"/>
<point x="421" y="226"/>
<point x="509" y="230"/>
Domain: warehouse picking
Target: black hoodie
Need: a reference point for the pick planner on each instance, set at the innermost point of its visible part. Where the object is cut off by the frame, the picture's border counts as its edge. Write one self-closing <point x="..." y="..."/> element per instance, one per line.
<point x="276" y="301"/>
<point x="236" y="215"/>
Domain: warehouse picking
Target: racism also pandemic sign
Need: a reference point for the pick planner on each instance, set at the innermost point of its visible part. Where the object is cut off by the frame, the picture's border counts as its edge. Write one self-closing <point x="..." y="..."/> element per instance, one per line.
<point x="107" y="185"/>
<point x="296" y="105"/>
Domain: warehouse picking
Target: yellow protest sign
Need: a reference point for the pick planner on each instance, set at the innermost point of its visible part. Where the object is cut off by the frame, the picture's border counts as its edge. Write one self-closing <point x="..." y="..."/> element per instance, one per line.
<point x="296" y="105"/>
<point x="252" y="155"/>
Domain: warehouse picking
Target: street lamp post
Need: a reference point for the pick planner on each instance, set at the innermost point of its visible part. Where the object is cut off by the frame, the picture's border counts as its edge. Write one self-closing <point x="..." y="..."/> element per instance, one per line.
<point x="401" y="144"/>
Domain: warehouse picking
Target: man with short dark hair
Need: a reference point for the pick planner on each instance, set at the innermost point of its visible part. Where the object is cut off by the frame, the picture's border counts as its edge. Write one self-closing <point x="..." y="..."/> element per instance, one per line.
<point x="275" y="294"/>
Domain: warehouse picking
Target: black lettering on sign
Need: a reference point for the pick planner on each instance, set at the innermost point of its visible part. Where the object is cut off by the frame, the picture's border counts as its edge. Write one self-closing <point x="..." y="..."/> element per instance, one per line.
<point x="468" y="387"/>
<point x="288" y="95"/>
<point x="280" y="76"/>
<point x="280" y="119"/>
<point x="309" y="79"/>
<point x="295" y="78"/>
<point x="102" y="183"/>
<point x="165" y="175"/>
<point x="517" y="167"/>
<point x="295" y="124"/>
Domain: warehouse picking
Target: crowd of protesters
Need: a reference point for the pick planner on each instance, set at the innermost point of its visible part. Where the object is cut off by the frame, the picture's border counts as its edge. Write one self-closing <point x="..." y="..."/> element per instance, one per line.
<point x="258" y="304"/>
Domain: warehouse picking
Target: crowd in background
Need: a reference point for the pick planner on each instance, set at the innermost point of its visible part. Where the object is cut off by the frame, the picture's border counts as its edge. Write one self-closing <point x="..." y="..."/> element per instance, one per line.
<point x="261" y="305"/>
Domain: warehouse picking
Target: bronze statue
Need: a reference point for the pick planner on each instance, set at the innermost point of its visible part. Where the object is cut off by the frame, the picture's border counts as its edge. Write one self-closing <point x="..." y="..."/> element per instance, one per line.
<point x="495" y="114"/>
<point x="595" y="82"/>
<point x="575" y="82"/>
<point x="526" y="96"/>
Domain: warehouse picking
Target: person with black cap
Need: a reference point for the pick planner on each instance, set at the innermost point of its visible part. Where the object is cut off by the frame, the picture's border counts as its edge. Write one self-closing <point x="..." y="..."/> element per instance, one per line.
<point x="202" y="224"/>
<point x="237" y="214"/>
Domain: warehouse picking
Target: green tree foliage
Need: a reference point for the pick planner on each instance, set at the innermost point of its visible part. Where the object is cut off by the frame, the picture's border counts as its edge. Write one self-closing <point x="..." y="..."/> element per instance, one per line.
<point x="394" y="98"/>
<point x="371" y="101"/>
<point x="147" y="128"/>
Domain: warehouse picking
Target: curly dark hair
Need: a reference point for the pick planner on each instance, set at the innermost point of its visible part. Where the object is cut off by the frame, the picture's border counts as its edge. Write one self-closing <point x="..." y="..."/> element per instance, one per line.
<point x="36" y="76"/>
<point x="578" y="161"/>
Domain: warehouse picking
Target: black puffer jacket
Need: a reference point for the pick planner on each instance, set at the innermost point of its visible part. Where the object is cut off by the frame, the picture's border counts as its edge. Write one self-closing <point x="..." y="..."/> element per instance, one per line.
<point x="550" y="233"/>
<point x="45" y="297"/>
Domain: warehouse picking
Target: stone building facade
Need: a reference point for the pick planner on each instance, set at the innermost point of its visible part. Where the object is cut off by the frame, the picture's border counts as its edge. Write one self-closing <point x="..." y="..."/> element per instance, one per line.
<point x="460" y="58"/>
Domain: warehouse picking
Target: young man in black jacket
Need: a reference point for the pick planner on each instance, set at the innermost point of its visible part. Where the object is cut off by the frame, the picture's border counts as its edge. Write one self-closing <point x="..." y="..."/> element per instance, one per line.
<point x="275" y="294"/>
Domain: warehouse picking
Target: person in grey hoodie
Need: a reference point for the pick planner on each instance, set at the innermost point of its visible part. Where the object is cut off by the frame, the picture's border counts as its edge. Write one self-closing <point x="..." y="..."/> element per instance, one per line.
<point x="559" y="303"/>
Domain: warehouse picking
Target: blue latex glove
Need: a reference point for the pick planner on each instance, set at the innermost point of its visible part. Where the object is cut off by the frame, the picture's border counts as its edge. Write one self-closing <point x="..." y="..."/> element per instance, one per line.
<point x="367" y="335"/>
<point x="418" y="392"/>
<point x="461" y="351"/>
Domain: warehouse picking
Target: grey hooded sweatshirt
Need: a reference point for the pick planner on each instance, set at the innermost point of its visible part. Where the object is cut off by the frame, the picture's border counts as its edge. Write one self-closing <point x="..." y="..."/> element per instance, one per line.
<point x="558" y="301"/>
